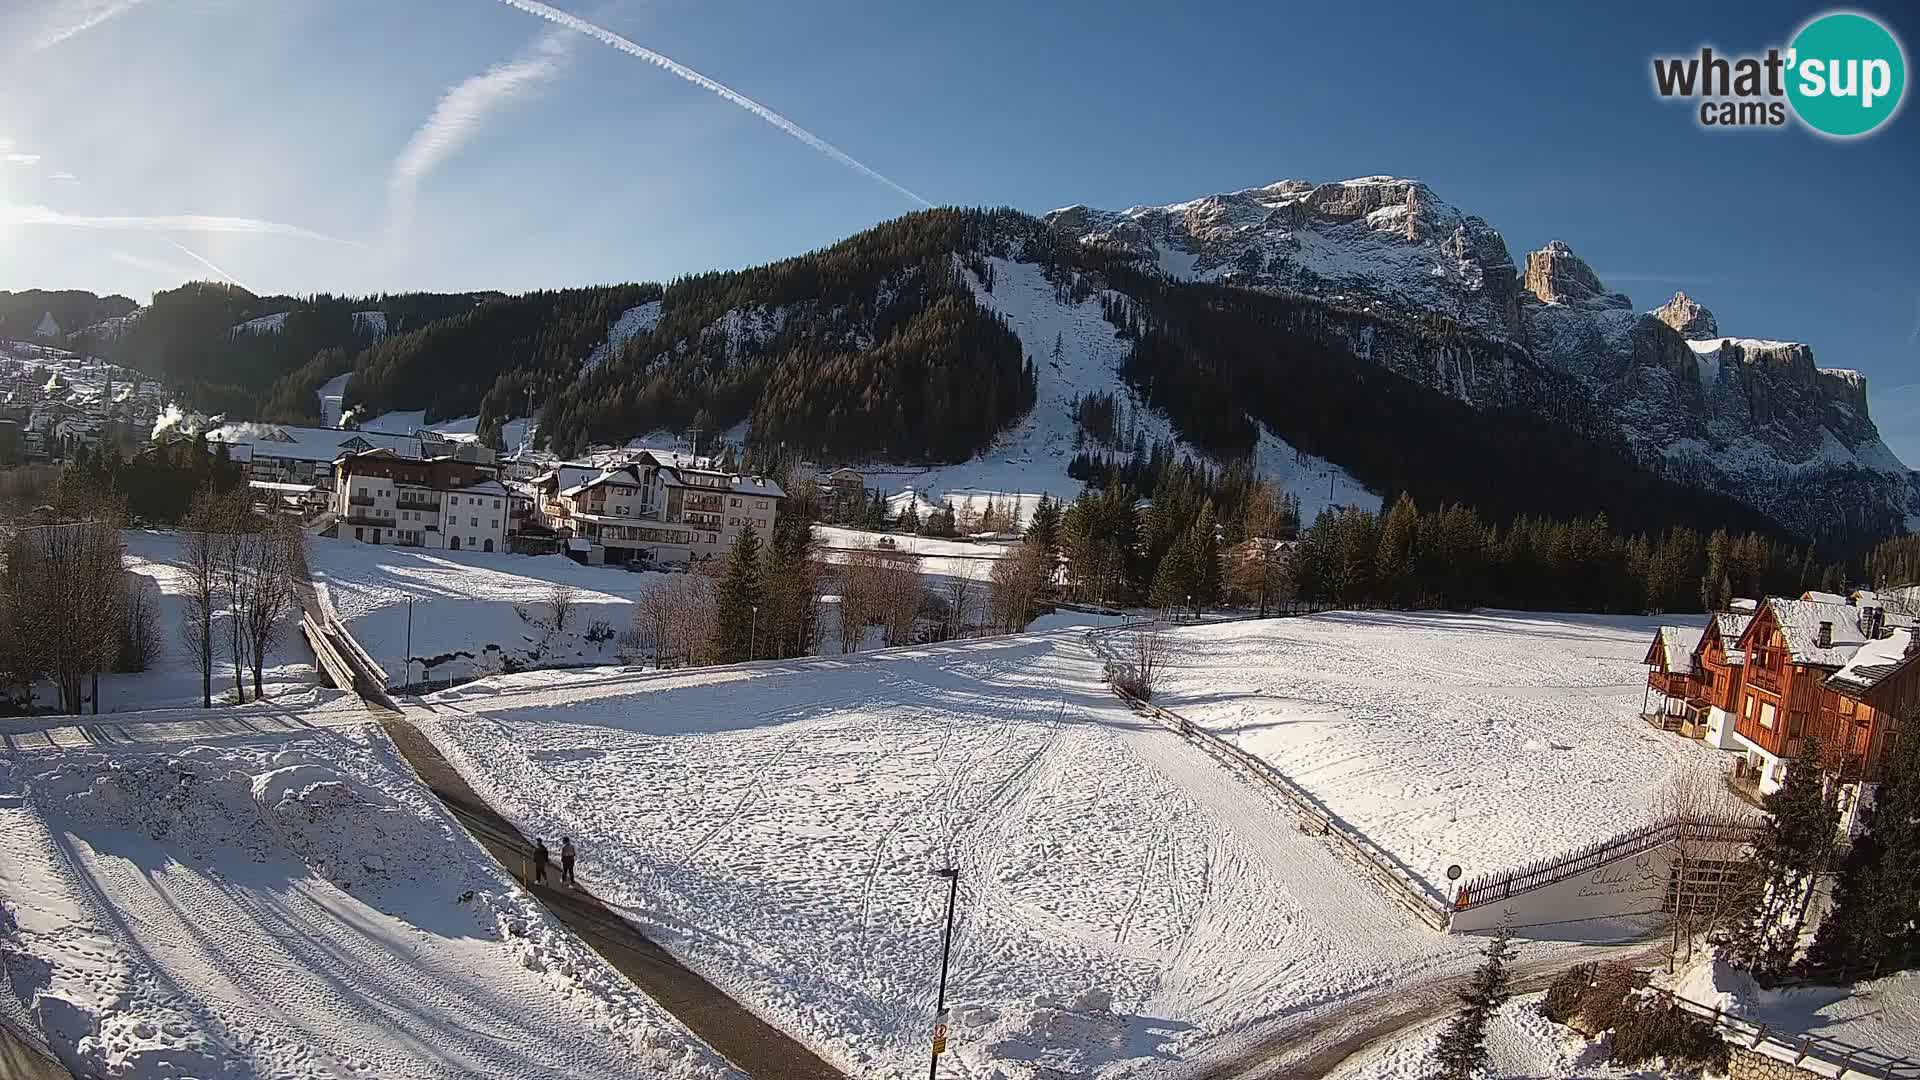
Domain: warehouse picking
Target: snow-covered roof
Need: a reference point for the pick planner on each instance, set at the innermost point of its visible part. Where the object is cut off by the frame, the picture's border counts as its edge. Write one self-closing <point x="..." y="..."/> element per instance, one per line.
<point x="1823" y="597"/>
<point x="1731" y="627"/>
<point x="311" y="444"/>
<point x="1873" y="662"/>
<point x="1741" y="603"/>
<point x="1799" y="622"/>
<point x="1678" y="642"/>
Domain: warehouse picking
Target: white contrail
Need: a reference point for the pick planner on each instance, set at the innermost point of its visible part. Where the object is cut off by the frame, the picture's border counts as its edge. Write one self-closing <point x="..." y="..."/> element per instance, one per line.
<point x="197" y="223"/>
<point x="460" y="113"/>
<point x="76" y="17"/>
<point x="204" y="261"/>
<point x="608" y="37"/>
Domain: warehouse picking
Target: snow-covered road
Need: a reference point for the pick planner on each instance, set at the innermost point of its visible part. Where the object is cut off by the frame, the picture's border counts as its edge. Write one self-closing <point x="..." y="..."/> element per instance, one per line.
<point x="1123" y="901"/>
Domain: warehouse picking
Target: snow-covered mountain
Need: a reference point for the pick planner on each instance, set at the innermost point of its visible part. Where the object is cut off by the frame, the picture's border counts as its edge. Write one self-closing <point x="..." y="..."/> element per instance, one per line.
<point x="1753" y="418"/>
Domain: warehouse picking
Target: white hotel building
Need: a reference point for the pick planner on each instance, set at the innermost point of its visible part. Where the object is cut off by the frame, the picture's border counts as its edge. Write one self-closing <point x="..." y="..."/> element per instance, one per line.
<point x="657" y="507"/>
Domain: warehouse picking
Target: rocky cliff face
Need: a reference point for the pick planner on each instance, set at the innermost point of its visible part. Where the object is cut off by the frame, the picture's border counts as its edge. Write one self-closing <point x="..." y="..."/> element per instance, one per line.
<point x="1754" y="418"/>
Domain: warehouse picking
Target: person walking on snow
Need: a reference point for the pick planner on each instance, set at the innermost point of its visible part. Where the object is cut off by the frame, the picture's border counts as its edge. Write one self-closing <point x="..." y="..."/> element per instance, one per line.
<point x="566" y="860"/>
<point x="539" y="860"/>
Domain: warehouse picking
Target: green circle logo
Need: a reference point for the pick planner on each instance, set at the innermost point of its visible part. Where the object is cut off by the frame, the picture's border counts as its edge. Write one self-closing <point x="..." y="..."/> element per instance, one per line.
<point x="1846" y="74"/>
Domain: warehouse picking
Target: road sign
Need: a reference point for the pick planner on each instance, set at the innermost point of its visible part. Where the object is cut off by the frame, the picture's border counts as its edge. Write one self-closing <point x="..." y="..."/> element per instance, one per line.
<point x="1453" y="872"/>
<point x="939" y="1039"/>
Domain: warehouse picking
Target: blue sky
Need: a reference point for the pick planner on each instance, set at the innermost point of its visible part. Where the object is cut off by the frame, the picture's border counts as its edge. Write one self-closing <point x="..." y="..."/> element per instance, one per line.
<point x="542" y="157"/>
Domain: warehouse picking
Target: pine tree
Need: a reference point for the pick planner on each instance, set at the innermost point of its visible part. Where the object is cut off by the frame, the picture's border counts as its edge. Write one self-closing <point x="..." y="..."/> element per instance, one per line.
<point x="1203" y="546"/>
<point x="910" y="517"/>
<point x="1173" y="582"/>
<point x="1463" y="1046"/>
<point x="1394" y="565"/>
<point x="1874" y="925"/>
<point x="1044" y="527"/>
<point x="739" y="594"/>
<point x="1802" y="817"/>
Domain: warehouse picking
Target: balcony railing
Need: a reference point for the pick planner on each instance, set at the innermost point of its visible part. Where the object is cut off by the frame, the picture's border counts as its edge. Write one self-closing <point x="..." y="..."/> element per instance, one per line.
<point x="1763" y="677"/>
<point x="360" y="500"/>
<point x="414" y="502"/>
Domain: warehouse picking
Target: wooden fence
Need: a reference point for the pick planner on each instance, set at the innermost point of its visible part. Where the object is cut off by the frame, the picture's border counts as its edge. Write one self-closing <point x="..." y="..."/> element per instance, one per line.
<point x="1398" y="882"/>
<point x="1496" y="887"/>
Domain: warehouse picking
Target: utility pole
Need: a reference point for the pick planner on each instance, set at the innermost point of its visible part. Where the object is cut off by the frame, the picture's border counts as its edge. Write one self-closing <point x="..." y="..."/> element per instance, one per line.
<point x="753" y="634"/>
<point x="407" y="677"/>
<point x="952" y="874"/>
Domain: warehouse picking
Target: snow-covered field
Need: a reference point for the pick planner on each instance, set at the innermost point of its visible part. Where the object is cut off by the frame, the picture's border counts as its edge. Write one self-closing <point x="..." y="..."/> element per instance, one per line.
<point x="153" y="559"/>
<point x="1883" y="1014"/>
<point x="1123" y="901"/>
<point x="464" y="606"/>
<point x="291" y="906"/>
<point x="1486" y="739"/>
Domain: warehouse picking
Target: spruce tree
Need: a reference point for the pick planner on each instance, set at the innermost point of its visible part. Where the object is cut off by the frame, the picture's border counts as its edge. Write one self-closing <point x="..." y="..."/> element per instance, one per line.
<point x="1174" y="581"/>
<point x="1044" y="527"/>
<point x="1799" y="835"/>
<point x="1874" y="925"/>
<point x="1393" y="566"/>
<point x="1203" y="547"/>
<point x="739" y="593"/>
<point x="1463" y="1046"/>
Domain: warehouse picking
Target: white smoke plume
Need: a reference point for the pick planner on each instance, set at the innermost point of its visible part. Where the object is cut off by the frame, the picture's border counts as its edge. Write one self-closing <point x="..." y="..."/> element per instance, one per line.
<point x="608" y="37"/>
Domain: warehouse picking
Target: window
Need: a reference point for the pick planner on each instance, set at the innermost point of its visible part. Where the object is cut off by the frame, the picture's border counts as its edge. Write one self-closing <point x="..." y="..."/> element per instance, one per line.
<point x="496" y="504"/>
<point x="761" y="523"/>
<point x="472" y="541"/>
<point x="1766" y="715"/>
<point x="363" y="492"/>
<point x="474" y="522"/>
<point x="736" y="502"/>
<point x="760" y="504"/>
<point x="495" y="524"/>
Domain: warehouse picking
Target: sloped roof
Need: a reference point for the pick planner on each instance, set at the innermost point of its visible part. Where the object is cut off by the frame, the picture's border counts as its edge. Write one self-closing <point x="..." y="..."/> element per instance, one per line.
<point x="1872" y="663"/>
<point x="1818" y="597"/>
<point x="1731" y="626"/>
<point x="1678" y="643"/>
<point x="310" y="444"/>
<point x="1799" y="622"/>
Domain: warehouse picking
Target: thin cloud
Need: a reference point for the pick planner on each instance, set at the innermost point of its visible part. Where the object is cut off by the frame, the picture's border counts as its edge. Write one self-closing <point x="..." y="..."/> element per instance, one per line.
<point x="177" y="223"/>
<point x="71" y="17"/>
<point x="463" y="110"/>
<point x="609" y="38"/>
<point x="23" y="159"/>
<point x="64" y="177"/>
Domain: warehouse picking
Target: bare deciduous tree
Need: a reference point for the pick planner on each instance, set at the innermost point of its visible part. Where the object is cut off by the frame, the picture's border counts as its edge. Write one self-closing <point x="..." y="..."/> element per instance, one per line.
<point x="880" y="587"/>
<point x="1713" y="882"/>
<point x="1016" y="584"/>
<point x="560" y="604"/>
<point x="140" y="643"/>
<point x="1143" y="656"/>
<point x="961" y="592"/>
<point x="272" y="560"/>
<point x="200" y="553"/>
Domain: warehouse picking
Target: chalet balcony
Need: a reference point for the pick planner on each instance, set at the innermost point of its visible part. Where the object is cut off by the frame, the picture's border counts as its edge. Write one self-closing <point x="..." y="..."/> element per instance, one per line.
<point x="360" y="500"/>
<point x="704" y="503"/>
<point x="1765" y="678"/>
<point x="416" y="502"/>
<point x="359" y="518"/>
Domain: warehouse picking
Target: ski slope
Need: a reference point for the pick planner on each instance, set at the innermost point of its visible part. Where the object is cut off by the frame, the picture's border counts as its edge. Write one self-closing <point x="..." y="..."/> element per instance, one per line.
<point x="1031" y="458"/>
<point x="1485" y="739"/>
<point x="290" y="907"/>
<point x="1123" y="901"/>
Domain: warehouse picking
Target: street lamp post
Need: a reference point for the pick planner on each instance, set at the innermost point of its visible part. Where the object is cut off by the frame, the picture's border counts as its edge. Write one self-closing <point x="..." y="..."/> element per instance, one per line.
<point x="952" y="874"/>
<point x="407" y="676"/>
<point x="753" y="634"/>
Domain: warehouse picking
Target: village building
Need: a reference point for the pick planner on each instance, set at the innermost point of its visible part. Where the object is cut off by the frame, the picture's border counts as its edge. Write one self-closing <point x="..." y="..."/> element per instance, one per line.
<point x="289" y="454"/>
<point x="444" y="502"/>
<point x="1720" y="667"/>
<point x="657" y="507"/>
<point x="1833" y="671"/>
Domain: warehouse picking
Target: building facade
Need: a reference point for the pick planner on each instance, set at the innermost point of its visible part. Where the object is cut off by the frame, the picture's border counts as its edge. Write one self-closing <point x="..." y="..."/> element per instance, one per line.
<point x="656" y="508"/>
<point x="1833" y="671"/>
<point x="443" y="502"/>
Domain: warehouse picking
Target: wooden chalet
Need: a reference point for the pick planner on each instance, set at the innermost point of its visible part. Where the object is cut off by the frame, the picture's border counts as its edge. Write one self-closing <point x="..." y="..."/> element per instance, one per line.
<point x="1673" y="703"/>
<point x="1833" y="671"/>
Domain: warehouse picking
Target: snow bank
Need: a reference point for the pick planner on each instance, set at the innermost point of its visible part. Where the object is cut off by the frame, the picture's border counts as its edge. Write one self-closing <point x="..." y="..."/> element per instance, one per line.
<point x="1883" y="1014"/>
<point x="1521" y="1045"/>
<point x="293" y="908"/>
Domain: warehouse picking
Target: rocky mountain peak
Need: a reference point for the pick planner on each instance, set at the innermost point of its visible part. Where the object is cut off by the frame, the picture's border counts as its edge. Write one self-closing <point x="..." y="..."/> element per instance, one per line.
<point x="1693" y="321"/>
<point x="1555" y="275"/>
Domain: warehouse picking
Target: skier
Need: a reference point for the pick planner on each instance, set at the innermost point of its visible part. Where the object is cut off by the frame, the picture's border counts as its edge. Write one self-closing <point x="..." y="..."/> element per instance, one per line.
<point x="566" y="860"/>
<point x="539" y="860"/>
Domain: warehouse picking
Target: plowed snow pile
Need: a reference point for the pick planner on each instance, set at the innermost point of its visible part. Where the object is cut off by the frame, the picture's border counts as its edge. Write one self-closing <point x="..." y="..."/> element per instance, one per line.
<point x="293" y="908"/>
<point x="1123" y="901"/>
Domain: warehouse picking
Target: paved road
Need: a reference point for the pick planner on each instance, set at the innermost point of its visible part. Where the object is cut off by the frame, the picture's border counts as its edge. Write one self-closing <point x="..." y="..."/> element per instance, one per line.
<point x="758" y="1048"/>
